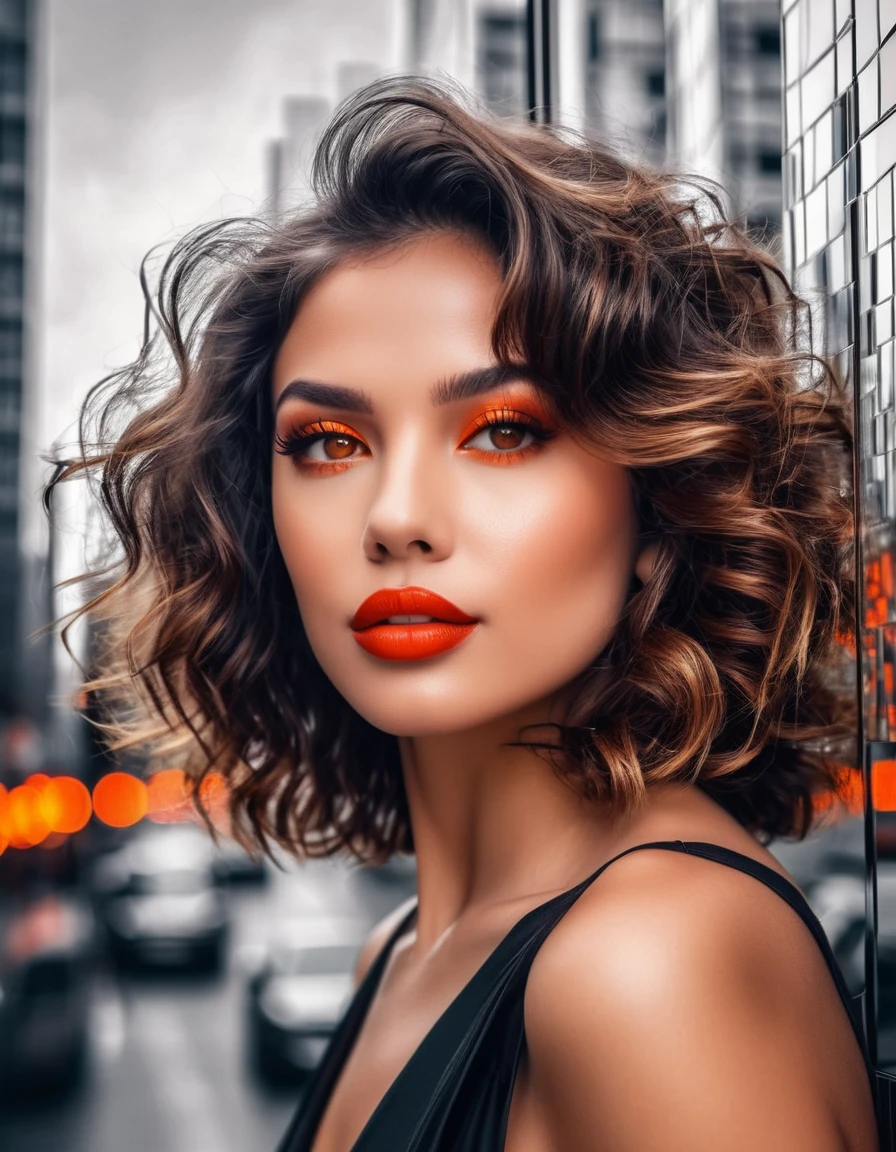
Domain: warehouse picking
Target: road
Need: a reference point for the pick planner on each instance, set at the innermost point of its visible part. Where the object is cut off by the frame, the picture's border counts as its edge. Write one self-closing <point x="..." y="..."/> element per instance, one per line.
<point x="168" y="1069"/>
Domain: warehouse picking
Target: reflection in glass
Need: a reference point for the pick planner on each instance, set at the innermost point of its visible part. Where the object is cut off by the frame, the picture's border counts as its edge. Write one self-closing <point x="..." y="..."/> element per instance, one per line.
<point x="869" y="232"/>
<point x="838" y="245"/>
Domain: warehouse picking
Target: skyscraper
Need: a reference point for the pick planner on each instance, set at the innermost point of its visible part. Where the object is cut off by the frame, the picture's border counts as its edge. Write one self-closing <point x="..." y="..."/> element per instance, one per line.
<point x="839" y="164"/>
<point x="391" y="25"/>
<point x="19" y="611"/>
<point x="689" y="82"/>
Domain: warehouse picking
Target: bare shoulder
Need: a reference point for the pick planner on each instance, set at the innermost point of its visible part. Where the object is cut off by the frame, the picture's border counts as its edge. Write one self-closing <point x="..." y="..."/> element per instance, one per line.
<point x="379" y="934"/>
<point x="680" y="1003"/>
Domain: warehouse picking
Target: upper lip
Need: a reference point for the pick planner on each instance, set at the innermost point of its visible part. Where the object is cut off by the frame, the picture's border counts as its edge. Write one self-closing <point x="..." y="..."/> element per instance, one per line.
<point x="387" y="602"/>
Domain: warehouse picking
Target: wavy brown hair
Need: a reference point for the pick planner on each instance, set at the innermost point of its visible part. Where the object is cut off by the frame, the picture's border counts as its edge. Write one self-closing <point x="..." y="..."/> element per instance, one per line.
<point x="655" y="324"/>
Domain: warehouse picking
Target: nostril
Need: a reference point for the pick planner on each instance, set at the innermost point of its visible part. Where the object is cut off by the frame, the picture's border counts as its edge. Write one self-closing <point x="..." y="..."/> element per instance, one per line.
<point x="385" y="549"/>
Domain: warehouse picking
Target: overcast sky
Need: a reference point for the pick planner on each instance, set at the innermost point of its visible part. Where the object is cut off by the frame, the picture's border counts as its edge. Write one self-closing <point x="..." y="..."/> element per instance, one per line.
<point x="157" y="119"/>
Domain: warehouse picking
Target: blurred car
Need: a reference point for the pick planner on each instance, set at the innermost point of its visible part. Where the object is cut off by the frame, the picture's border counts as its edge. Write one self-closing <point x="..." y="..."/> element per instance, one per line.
<point x="160" y="900"/>
<point x="298" y="996"/>
<point x="838" y="900"/>
<point x="830" y="868"/>
<point x="44" y="996"/>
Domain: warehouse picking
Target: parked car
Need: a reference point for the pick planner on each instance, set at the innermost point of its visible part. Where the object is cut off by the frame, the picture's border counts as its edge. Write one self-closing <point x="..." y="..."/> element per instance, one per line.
<point x="161" y="902"/>
<point x="298" y="996"/>
<point x="45" y="953"/>
<point x="838" y="900"/>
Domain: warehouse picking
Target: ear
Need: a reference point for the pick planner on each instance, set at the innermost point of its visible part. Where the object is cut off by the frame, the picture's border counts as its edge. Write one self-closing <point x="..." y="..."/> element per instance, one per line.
<point x="646" y="559"/>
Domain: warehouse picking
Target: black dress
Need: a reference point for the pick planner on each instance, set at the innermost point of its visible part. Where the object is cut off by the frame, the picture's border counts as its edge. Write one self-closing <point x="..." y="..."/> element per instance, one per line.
<point x="454" y="1093"/>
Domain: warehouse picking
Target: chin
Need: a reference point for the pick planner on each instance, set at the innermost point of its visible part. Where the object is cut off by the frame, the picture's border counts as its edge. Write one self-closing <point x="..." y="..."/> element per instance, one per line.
<point x="416" y="717"/>
<point x="445" y="696"/>
<point x="437" y="710"/>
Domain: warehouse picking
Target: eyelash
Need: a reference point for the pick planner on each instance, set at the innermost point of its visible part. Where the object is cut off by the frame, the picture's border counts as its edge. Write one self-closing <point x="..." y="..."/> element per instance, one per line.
<point x="509" y="418"/>
<point x="299" y="440"/>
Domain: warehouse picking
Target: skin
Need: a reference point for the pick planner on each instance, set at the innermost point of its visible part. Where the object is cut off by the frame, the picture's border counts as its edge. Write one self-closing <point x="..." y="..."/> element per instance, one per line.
<point x="704" y="980"/>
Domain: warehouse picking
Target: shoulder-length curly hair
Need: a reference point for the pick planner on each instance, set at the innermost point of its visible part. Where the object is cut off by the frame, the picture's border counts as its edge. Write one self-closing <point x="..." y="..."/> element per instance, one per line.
<point x="656" y="325"/>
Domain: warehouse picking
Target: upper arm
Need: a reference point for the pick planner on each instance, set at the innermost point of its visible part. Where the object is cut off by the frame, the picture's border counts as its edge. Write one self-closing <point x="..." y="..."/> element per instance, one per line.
<point x="668" y="1011"/>
<point x="376" y="941"/>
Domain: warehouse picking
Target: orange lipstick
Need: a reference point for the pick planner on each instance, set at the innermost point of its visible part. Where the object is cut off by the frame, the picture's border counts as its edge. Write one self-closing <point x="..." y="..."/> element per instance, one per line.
<point x="409" y="624"/>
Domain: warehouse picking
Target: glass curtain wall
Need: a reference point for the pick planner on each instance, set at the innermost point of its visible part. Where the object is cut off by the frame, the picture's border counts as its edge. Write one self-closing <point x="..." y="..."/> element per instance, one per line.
<point x="840" y="110"/>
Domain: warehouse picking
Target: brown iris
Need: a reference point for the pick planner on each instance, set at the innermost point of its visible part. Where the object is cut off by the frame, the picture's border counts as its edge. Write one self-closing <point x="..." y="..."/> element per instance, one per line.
<point x="339" y="447"/>
<point x="506" y="436"/>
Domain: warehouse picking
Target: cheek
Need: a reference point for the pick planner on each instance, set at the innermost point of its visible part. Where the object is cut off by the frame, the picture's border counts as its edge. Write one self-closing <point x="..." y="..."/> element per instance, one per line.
<point x="311" y="544"/>
<point x="593" y="540"/>
<point x="564" y="561"/>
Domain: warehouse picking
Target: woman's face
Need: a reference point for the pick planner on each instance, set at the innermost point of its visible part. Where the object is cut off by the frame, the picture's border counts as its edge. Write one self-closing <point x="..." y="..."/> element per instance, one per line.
<point x="407" y="458"/>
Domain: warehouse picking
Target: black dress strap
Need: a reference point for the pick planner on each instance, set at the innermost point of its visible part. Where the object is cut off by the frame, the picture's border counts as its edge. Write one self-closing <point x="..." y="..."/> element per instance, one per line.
<point x="454" y="1092"/>
<point x="300" y="1130"/>
<point x="792" y="895"/>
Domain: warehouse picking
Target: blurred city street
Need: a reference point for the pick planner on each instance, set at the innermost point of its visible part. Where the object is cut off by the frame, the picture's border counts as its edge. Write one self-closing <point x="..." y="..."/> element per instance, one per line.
<point x="169" y="1064"/>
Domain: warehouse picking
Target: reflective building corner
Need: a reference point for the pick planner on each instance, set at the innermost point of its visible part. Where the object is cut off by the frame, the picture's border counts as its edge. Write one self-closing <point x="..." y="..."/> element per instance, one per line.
<point x="840" y="151"/>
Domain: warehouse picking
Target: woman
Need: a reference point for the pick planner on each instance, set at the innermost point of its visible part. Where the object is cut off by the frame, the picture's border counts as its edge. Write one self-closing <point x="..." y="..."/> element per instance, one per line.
<point x="495" y="514"/>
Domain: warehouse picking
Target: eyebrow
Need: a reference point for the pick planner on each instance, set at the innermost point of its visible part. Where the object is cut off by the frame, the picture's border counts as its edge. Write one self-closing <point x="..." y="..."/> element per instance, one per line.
<point x="460" y="386"/>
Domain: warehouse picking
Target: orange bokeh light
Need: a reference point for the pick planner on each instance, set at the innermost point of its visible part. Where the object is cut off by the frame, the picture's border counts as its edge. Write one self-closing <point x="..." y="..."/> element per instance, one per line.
<point x="65" y="802"/>
<point x="4" y="834"/>
<point x="169" y="797"/>
<point x="886" y="575"/>
<point x="883" y="785"/>
<point x="120" y="799"/>
<point x="22" y="823"/>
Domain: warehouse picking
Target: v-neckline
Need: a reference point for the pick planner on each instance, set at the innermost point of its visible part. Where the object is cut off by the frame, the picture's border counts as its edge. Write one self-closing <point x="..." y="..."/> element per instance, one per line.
<point x="365" y="995"/>
<point x="358" y="1011"/>
<point x="375" y="975"/>
<point x="402" y="1075"/>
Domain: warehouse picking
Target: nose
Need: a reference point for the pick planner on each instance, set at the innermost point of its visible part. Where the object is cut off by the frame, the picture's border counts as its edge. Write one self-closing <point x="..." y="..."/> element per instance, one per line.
<point x="410" y="514"/>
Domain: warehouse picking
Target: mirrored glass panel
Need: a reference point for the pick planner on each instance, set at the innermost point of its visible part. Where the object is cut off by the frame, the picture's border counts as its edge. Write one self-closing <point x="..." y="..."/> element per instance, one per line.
<point x="839" y="242"/>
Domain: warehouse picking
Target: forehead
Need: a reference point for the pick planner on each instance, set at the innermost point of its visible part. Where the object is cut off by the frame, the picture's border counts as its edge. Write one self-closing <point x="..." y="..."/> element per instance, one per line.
<point x="426" y="308"/>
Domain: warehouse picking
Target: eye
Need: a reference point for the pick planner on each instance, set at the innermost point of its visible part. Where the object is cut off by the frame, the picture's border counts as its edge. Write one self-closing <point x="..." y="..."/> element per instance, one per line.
<point x="321" y="444"/>
<point x="504" y="437"/>
<point x="333" y="446"/>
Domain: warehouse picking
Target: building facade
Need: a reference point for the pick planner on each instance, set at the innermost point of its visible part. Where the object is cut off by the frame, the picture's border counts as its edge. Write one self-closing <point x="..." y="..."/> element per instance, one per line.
<point x="24" y="598"/>
<point x="695" y="83"/>
<point x="840" y="134"/>
<point x="394" y="26"/>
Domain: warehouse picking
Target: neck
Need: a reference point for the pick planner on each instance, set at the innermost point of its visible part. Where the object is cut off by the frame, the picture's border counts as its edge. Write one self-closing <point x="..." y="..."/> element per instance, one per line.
<point x="493" y="823"/>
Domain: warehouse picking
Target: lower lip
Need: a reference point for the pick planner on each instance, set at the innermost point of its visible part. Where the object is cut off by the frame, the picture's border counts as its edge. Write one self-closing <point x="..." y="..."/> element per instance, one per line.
<point x="412" y="641"/>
